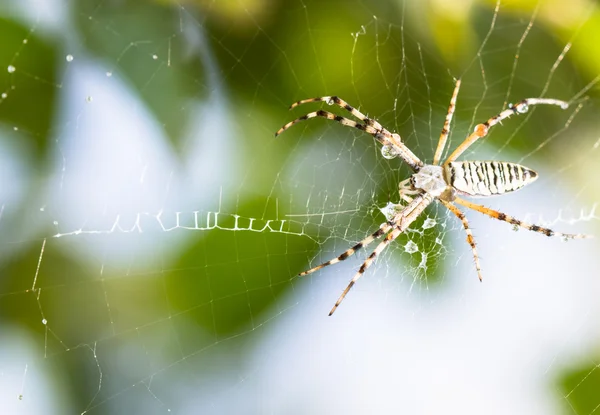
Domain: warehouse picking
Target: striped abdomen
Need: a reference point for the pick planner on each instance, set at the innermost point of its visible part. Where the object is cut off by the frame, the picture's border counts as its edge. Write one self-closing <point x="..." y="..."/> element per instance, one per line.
<point x="487" y="178"/>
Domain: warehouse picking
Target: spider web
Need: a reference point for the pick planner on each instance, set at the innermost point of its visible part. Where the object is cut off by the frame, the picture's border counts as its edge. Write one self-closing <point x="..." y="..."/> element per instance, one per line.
<point x="151" y="226"/>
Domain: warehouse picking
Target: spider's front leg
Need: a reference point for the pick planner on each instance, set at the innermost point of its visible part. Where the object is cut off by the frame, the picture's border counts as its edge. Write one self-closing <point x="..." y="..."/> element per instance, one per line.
<point x="391" y="142"/>
<point x="482" y="130"/>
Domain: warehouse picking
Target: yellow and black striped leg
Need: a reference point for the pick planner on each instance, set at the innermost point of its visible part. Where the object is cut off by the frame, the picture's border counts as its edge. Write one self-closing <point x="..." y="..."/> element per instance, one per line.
<point x="384" y="228"/>
<point x="382" y="135"/>
<point x="470" y="238"/>
<point x="482" y="130"/>
<point x="334" y="100"/>
<point x="401" y="222"/>
<point x="330" y="116"/>
<point x="446" y="129"/>
<point x="516" y="222"/>
<point x="389" y="238"/>
<point x="392" y="142"/>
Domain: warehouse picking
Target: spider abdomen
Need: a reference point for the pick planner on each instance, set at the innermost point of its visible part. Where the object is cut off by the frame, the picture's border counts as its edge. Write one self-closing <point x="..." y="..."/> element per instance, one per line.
<point x="487" y="177"/>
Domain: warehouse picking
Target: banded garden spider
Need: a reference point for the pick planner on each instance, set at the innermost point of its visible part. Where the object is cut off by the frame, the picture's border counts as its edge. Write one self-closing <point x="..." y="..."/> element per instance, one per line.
<point x="442" y="182"/>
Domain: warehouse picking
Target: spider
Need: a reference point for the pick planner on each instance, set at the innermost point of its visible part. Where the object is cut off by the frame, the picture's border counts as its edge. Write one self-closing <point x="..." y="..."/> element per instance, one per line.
<point x="443" y="182"/>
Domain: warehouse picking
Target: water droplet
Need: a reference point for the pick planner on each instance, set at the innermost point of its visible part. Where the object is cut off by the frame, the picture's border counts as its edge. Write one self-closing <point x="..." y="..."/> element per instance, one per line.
<point x="89" y="98"/>
<point x="522" y="108"/>
<point x="16" y="128"/>
<point x="25" y="41"/>
<point x="481" y="129"/>
<point x="155" y="57"/>
<point x="55" y="222"/>
<point x="438" y="241"/>
<point x="44" y="321"/>
<point x="388" y="152"/>
<point x="411" y="247"/>
<point x="330" y="101"/>
<point x="69" y="58"/>
<point x="429" y="223"/>
<point x="109" y="74"/>
<point x="4" y="95"/>
<point x="515" y="228"/>
<point x="11" y="69"/>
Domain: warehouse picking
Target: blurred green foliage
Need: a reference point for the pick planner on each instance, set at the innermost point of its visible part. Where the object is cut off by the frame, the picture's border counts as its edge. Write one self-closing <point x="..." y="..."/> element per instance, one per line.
<point x="34" y="88"/>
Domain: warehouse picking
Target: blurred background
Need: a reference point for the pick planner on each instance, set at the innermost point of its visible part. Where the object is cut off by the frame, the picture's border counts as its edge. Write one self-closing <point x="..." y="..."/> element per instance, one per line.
<point x="152" y="227"/>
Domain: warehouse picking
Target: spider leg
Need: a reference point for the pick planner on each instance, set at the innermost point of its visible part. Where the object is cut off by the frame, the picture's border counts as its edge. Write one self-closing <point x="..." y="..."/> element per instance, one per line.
<point x="343" y="104"/>
<point x="446" y="129"/>
<point x="470" y="238"/>
<point x="481" y="130"/>
<point x="389" y="238"/>
<point x="342" y="120"/>
<point x="384" y="228"/>
<point x="516" y="222"/>
<point x="372" y="127"/>
<point x="402" y="220"/>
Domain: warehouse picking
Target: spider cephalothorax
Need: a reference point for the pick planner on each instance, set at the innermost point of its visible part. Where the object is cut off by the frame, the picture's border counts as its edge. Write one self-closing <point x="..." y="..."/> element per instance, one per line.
<point x="432" y="179"/>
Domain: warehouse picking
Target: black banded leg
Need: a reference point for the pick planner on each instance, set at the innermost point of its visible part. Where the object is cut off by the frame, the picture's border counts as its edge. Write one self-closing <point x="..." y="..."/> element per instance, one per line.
<point x="389" y="238"/>
<point x="481" y="130"/>
<point x="343" y="104"/>
<point x="372" y="127"/>
<point x="470" y="238"/>
<point x="384" y="228"/>
<point x="516" y="222"/>
<point x="384" y="137"/>
<point x="342" y="120"/>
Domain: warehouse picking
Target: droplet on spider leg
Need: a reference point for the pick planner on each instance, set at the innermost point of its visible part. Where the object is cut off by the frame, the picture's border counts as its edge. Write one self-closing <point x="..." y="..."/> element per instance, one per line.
<point x="411" y="247"/>
<point x="330" y="101"/>
<point x="515" y="228"/>
<point x="522" y="108"/>
<point x="481" y="129"/>
<point x="389" y="152"/>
